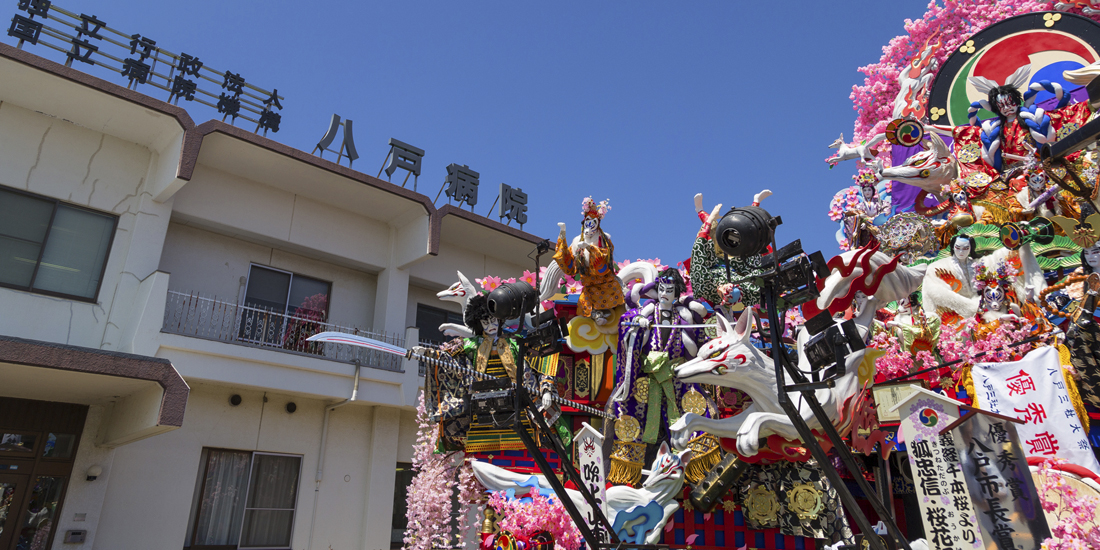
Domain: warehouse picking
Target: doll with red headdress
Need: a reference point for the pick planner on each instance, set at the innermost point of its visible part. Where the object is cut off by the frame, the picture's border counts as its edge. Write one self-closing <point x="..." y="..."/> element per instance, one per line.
<point x="590" y="259"/>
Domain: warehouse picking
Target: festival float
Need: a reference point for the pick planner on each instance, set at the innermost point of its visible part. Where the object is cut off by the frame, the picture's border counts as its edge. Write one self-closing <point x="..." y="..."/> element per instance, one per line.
<point x="932" y="385"/>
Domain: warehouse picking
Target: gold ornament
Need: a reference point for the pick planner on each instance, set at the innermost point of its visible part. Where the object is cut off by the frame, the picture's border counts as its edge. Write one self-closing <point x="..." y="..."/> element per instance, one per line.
<point x="969" y="152"/>
<point x="762" y="506"/>
<point x="729" y="506"/>
<point x="977" y="179"/>
<point x="1067" y="130"/>
<point x="805" y="501"/>
<point x="641" y="390"/>
<point x="694" y="402"/>
<point x="627" y="428"/>
<point x="582" y="379"/>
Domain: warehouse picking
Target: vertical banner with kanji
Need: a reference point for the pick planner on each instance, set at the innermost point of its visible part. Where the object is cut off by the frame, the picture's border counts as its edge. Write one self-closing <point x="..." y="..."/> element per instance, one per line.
<point x="948" y="515"/>
<point x="1033" y="390"/>
<point x="1000" y="483"/>
<point x="589" y="445"/>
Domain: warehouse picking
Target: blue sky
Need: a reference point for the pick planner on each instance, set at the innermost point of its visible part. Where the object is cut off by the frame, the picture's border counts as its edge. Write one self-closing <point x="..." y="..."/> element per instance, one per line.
<point x="645" y="103"/>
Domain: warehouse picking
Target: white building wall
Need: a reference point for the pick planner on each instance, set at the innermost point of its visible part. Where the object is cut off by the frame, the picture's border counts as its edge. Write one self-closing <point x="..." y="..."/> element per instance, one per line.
<point x="217" y="266"/>
<point x="58" y="159"/>
<point x="237" y="205"/>
<point x="150" y="484"/>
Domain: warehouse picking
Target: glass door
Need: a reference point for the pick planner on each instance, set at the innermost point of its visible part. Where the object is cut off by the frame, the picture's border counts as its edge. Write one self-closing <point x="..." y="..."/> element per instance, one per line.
<point x="12" y="490"/>
<point x="39" y="513"/>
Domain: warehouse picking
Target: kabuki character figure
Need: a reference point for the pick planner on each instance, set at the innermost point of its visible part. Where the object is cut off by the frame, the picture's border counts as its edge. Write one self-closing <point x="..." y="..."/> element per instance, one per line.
<point x="860" y="222"/>
<point x="1054" y="203"/>
<point x="948" y="290"/>
<point x="651" y="346"/>
<point x="497" y="355"/>
<point x="1018" y="129"/>
<point x="590" y="260"/>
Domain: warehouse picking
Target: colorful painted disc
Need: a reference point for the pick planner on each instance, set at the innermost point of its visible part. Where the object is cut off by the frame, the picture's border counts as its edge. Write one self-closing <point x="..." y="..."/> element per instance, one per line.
<point x="904" y="132"/>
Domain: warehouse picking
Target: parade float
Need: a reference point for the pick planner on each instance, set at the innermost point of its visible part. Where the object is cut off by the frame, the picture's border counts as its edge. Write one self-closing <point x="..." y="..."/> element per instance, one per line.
<point x="932" y="385"/>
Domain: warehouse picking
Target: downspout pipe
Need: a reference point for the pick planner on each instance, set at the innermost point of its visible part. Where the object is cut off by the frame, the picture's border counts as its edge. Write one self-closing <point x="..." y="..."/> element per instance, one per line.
<point x="321" y="451"/>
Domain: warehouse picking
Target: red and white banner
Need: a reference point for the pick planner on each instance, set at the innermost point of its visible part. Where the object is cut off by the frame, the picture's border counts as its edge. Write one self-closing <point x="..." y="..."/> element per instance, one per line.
<point x="1033" y="389"/>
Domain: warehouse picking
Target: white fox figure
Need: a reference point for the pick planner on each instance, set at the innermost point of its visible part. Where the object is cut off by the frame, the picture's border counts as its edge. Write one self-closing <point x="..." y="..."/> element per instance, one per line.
<point x="637" y="515"/>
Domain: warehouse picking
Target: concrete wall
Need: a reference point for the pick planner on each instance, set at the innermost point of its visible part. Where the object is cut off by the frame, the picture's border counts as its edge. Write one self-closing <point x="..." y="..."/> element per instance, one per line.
<point x="217" y="266"/>
<point x="246" y="207"/>
<point x="58" y="159"/>
<point x="150" y="484"/>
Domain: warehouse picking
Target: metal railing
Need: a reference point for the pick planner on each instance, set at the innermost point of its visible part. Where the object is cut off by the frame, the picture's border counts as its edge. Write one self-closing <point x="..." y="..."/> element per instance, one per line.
<point x="190" y="314"/>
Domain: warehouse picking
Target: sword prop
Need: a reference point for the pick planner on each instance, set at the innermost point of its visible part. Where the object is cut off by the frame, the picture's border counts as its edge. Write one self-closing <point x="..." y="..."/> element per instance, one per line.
<point x="1043" y="198"/>
<point x="655" y="325"/>
<point x="442" y="360"/>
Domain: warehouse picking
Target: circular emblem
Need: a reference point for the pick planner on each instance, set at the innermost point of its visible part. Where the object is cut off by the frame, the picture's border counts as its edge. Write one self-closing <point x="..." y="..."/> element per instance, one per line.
<point x="1011" y="235"/>
<point x="694" y="402"/>
<point x="627" y="428"/>
<point x="505" y="541"/>
<point x="763" y="507"/>
<point x="641" y="390"/>
<point x="904" y="132"/>
<point x="805" y="501"/>
<point x="969" y="152"/>
<point x="977" y="180"/>
<point x="998" y="50"/>
<point x="929" y="418"/>
<point x="542" y="540"/>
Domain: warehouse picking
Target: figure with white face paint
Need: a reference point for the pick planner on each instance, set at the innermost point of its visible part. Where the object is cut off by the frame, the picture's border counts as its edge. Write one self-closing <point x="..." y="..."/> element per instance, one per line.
<point x="1053" y="203"/>
<point x="590" y="259"/>
<point x="948" y="290"/>
<point x="651" y="346"/>
<point x="490" y="352"/>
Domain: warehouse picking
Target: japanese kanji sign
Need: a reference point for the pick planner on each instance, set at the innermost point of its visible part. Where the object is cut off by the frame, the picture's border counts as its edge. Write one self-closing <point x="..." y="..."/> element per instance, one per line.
<point x="1000" y="483"/>
<point x="949" y="517"/>
<point x="143" y="63"/>
<point x="1034" y="391"/>
<point x="589" y="446"/>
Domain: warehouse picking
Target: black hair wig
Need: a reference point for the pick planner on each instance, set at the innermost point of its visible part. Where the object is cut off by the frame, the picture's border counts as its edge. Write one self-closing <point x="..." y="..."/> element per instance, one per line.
<point x="477" y="310"/>
<point x="973" y="245"/>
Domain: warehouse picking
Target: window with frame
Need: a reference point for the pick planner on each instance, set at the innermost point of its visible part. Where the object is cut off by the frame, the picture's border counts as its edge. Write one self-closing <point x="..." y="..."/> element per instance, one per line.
<point x="243" y="499"/>
<point x="429" y="318"/>
<point x="50" y="247"/>
<point x="282" y="307"/>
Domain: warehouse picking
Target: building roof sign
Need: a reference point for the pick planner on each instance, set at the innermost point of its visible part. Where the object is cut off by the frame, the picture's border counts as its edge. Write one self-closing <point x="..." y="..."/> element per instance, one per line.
<point x="86" y="39"/>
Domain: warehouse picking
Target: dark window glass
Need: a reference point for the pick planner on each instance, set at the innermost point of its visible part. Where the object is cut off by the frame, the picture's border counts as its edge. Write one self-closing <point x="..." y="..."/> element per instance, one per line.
<point x="52" y="247"/>
<point x="59" y="445"/>
<point x="17" y="443"/>
<point x="267" y="289"/>
<point x="401" y="483"/>
<point x="428" y="320"/>
<point x="245" y="500"/>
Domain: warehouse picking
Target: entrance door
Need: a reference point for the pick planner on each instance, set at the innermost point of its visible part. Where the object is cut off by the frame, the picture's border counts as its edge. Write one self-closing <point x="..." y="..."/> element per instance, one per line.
<point x="38" y="444"/>
<point x="12" y="490"/>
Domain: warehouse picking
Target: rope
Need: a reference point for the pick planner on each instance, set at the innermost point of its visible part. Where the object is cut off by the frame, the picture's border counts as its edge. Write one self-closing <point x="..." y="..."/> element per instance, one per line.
<point x="453" y="365"/>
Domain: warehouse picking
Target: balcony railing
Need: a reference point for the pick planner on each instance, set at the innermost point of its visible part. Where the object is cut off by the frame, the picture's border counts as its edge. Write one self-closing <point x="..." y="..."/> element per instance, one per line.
<point x="190" y="314"/>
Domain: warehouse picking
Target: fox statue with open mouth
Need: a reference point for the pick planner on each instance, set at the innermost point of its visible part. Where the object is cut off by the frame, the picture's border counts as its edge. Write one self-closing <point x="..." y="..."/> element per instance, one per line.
<point x="863" y="277"/>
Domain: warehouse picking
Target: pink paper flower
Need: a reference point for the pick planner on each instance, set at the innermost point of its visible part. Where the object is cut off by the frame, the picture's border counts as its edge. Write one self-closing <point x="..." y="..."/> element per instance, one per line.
<point x="528" y="277"/>
<point x="489" y="284"/>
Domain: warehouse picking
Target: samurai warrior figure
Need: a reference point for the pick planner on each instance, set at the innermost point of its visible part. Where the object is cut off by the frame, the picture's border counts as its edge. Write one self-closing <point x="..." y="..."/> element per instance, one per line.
<point x="651" y="345"/>
<point x="495" y="354"/>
